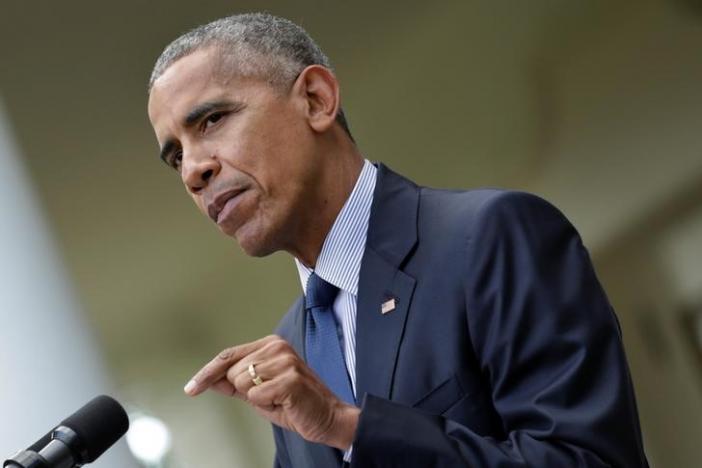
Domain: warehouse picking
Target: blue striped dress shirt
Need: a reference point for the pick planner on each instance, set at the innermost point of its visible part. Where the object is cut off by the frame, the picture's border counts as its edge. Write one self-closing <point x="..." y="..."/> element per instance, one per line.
<point x="339" y="263"/>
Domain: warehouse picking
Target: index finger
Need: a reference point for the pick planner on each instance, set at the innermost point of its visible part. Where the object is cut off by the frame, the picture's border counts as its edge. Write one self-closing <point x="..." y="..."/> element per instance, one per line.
<point x="217" y="368"/>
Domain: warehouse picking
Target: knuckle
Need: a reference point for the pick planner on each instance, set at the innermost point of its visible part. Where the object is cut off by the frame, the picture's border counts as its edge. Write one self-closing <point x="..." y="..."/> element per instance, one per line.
<point x="225" y="354"/>
<point x="271" y="339"/>
<point x="289" y="360"/>
<point x="254" y="397"/>
<point x="294" y="376"/>
<point x="241" y="386"/>
<point x="279" y="345"/>
<point x="273" y="348"/>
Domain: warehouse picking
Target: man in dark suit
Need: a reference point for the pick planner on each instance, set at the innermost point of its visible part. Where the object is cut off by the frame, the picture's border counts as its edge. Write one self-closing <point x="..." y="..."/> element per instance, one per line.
<point x="436" y="329"/>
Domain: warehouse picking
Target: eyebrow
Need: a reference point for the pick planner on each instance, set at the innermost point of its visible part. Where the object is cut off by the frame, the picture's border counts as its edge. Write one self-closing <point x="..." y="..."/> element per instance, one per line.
<point x="193" y="117"/>
<point x="203" y="109"/>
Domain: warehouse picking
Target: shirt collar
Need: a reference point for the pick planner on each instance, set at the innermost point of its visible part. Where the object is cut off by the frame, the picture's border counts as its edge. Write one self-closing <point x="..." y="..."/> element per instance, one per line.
<point x="339" y="262"/>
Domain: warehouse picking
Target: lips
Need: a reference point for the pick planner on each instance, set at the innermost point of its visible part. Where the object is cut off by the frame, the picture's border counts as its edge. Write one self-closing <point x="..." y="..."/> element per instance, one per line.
<point x="215" y="208"/>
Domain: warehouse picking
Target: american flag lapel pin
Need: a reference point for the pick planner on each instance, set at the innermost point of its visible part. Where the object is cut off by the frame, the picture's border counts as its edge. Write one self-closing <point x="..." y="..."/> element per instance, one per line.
<point x="387" y="306"/>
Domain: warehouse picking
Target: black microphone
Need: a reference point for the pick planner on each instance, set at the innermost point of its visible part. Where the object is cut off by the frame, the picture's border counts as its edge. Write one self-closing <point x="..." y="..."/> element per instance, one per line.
<point x="79" y="439"/>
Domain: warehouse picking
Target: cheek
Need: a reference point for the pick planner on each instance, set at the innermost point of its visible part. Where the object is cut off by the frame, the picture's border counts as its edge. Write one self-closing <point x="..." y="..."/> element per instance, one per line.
<point x="241" y="150"/>
<point x="286" y="162"/>
<point x="273" y="149"/>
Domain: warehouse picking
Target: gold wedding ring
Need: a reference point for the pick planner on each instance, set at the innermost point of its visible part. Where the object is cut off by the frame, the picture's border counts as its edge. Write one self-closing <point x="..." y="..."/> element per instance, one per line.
<point x="255" y="378"/>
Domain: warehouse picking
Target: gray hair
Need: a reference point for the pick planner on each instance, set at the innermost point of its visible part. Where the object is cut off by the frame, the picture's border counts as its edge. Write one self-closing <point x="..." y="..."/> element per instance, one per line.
<point x="255" y="45"/>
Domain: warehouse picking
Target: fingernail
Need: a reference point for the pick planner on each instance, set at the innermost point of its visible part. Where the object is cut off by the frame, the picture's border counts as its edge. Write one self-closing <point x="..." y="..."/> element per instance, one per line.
<point x="190" y="386"/>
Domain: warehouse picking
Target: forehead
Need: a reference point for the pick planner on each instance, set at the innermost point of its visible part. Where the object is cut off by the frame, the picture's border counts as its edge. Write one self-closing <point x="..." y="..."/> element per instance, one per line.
<point x="187" y="81"/>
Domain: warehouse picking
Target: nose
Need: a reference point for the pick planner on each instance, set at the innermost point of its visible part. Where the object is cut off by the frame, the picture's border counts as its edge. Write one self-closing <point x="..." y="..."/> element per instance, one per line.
<point x="197" y="172"/>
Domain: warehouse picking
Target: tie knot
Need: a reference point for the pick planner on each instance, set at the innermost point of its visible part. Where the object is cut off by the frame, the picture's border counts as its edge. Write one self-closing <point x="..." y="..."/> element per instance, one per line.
<point x="319" y="293"/>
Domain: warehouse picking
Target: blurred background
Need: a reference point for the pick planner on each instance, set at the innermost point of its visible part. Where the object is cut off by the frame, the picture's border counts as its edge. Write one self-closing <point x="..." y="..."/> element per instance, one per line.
<point x="112" y="282"/>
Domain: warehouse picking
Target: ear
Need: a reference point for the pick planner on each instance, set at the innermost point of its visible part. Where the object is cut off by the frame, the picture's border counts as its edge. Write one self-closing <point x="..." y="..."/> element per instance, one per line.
<point x="319" y="89"/>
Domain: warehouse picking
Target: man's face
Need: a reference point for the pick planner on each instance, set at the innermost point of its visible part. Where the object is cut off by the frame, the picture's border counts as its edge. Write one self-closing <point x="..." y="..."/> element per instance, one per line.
<point x="242" y="148"/>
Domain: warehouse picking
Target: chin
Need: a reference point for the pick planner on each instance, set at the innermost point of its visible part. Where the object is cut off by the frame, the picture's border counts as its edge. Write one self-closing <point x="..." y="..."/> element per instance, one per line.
<point x="256" y="249"/>
<point x="254" y="242"/>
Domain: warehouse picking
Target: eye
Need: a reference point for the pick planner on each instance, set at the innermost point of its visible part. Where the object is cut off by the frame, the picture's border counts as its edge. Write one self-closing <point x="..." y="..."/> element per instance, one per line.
<point x="176" y="159"/>
<point x="212" y="119"/>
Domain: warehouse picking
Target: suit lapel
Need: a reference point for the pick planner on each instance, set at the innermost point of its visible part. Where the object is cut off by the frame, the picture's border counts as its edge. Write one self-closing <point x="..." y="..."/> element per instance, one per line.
<point x="392" y="233"/>
<point x="297" y="339"/>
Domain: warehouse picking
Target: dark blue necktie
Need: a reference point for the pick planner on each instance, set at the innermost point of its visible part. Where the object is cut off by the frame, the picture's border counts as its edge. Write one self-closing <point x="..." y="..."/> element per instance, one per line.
<point x="322" y="345"/>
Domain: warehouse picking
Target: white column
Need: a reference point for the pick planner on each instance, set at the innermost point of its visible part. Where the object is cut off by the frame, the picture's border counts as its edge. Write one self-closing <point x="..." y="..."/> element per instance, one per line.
<point x="50" y="364"/>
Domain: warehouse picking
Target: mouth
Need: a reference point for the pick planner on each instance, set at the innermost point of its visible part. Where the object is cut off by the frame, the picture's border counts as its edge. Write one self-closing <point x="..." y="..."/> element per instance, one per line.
<point x="221" y="204"/>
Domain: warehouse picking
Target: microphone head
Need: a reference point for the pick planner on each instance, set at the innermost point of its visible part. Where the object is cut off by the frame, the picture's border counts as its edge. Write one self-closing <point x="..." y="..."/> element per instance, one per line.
<point x="98" y="424"/>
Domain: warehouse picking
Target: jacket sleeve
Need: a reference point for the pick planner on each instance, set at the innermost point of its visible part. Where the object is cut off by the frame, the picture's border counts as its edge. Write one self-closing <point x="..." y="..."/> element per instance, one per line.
<point x="548" y="343"/>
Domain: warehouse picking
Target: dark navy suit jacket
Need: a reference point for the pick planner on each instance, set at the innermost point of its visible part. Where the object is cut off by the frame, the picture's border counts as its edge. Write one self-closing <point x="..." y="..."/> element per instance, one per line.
<point x="502" y="351"/>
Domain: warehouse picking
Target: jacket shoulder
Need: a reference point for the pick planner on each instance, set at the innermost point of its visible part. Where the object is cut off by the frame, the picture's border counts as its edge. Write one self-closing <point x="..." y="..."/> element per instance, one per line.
<point x="476" y="202"/>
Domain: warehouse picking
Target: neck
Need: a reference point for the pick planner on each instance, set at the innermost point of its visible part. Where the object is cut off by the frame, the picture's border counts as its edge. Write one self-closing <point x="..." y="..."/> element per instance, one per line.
<point x="335" y="183"/>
